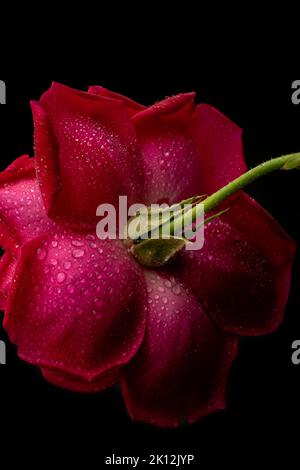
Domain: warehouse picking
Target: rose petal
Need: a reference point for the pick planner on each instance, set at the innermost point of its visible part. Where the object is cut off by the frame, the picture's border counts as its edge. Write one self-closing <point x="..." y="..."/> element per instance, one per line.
<point x="220" y="148"/>
<point x="71" y="383"/>
<point x="170" y="160"/>
<point x="93" y="158"/>
<point x="77" y="306"/>
<point x="46" y="151"/>
<point x="7" y="270"/>
<point x="187" y="150"/>
<point x="22" y="213"/>
<point x="243" y="273"/>
<point x="182" y="367"/>
<point x="168" y="106"/>
<point x="132" y="107"/>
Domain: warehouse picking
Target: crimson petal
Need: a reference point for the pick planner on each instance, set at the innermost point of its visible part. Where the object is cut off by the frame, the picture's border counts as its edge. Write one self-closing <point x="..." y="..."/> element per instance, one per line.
<point x="219" y="147"/>
<point x="73" y="384"/>
<point x="7" y="270"/>
<point x="77" y="307"/>
<point x="86" y="152"/>
<point x="132" y="107"/>
<point x="181" y="370"/>
<point x="22" y="213"/>
<point x="243" y="273"/>
<point x="187" y="150"/>
<point x="170" y="159"/>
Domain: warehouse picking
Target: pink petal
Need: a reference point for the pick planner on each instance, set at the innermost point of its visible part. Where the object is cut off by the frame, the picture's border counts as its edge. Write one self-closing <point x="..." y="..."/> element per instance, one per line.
<point x="7" y="270"/>
<point x="22" y="213"/>
<point x="46" y="151"/>
<point x="170" y="159"/>
<point x="182" y="368"/>
<point x="187" y="150"/>
<point x="132" y="107"/>
<point x="242" y="275"/>
<point x="77" y="307"/>
<point x="168" y="106"/>
<point x="219" y="146"/>
<point x="86" y="152"/>
<point x="73" y="384"/>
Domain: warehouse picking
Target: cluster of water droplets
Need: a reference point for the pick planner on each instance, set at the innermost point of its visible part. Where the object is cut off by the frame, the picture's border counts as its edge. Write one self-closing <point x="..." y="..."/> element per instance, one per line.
<point x="85" y="267"/>
<point x="170" y="165"/>
<point x="103" y="150"/>
<point x="22" y="208"/>
<point x="168" y="300"/>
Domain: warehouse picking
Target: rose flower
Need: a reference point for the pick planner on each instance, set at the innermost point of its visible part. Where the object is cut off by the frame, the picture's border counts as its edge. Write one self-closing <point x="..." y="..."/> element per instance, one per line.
<point x="83" y="309"/>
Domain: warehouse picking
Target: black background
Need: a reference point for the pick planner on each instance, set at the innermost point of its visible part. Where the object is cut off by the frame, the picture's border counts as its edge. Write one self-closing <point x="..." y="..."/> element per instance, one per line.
<point x="264" y="390"/>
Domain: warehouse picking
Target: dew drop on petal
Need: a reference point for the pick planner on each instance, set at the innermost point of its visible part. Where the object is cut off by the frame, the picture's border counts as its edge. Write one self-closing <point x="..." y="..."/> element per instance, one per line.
<point x="61" y="277"/>
<point x="176" y="290"/>
<point x="41" y="253"/>
<point x="97" y="314"/>
<point x="67" y="265"/>
<point x="78" y="253"/>
<point x="77" y="243"/>
<point x="91" y="237"/>
<point x="71" y="289"/>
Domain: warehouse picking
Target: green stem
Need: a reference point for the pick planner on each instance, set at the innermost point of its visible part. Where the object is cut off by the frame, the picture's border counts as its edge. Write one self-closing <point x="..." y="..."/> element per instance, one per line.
<point x="155" y="253"/>
<point x="263" y="169"/>
<point x="287" y="162"/>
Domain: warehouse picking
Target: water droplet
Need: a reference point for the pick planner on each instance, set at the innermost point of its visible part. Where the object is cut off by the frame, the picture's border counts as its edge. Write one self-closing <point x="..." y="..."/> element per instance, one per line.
<point x="77" y="243"/>
<point x="97" y="314"/>
<point x="41" y="254"/>
<point x="71" y="289"/>
<point x="67" y="265"/>
<point x="78" y="253"/>
<point x="61" y="277"/>
<point x="165" y="300"/>
<point x="176" y="290"/>
<point x="54" y="244"/>
<point x="161" y="289"/>
<point x="91" y="237"/>
<point x="54" y="262"/>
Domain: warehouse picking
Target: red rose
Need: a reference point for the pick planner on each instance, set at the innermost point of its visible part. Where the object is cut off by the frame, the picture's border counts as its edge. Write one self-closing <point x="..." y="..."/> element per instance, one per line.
<point x="82" y="309"/>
